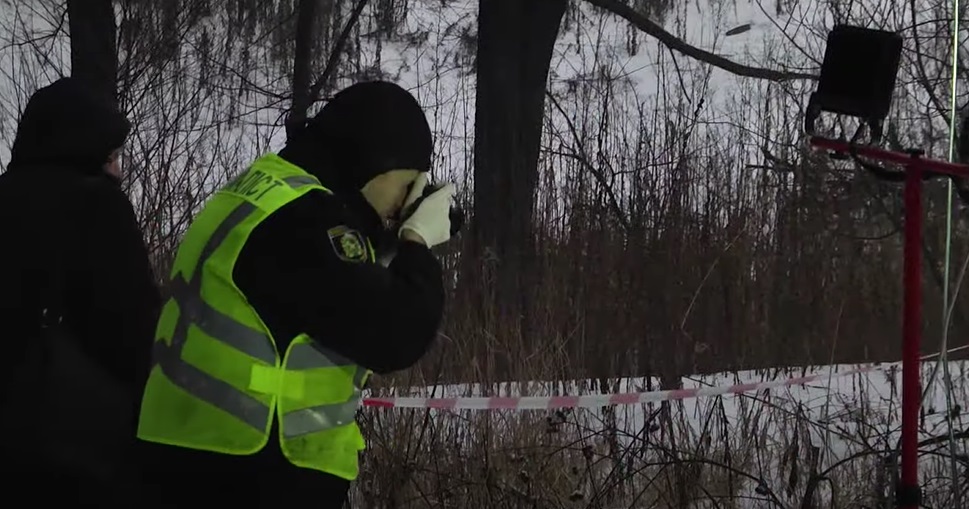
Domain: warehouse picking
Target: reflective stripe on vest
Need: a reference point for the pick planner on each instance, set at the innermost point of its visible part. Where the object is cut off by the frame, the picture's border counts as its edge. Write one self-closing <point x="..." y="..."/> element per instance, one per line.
<point x="193" y="310"/>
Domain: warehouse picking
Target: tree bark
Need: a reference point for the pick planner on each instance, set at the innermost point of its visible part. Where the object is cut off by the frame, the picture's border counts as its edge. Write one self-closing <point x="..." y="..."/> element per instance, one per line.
<point x="302" y="65"/>
<point x="514" y="50"/>
<point x="94" y="45"/>
<point x="305" y="92"/>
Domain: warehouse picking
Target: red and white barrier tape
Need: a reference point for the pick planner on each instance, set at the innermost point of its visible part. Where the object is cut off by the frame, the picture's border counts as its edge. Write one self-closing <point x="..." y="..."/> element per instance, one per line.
<point x="600" y="400"/>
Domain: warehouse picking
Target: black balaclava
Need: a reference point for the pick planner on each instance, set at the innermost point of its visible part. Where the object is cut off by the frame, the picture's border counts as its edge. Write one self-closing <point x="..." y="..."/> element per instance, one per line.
<point x="365" y="130"/>
<point x="66" y="124"/>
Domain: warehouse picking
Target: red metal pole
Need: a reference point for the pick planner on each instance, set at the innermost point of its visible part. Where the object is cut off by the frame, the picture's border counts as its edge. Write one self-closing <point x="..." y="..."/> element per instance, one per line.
<point x="903" y="158"/>
<point x="908" y="490"/>
<point x="908" y="494"/>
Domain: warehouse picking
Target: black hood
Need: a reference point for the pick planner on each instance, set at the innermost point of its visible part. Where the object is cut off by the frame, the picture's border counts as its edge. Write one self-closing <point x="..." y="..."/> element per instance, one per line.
<point x="365" y="130"/>
<point x="66" y="124"/>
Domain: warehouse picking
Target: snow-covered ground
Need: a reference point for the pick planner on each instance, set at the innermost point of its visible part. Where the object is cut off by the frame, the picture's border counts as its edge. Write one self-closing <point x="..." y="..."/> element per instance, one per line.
<point x="831" y="400"/>
<point x="434" y="52"/>
<point x="762" y="435"/>
<point x="848" y="423"/>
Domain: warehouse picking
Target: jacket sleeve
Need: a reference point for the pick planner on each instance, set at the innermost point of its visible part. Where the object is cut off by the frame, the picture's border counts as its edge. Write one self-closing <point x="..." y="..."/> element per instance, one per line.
<point x="114" y="287"/>
<point x="383" y="318"/>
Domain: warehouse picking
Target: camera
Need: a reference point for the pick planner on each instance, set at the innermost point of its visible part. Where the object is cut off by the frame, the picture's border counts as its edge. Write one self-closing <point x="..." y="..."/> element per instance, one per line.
<point x="456" y="214"/>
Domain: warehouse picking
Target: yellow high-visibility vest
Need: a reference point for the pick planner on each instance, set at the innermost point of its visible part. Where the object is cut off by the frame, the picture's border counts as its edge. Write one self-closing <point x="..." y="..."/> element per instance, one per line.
<point x="217" y="379"/>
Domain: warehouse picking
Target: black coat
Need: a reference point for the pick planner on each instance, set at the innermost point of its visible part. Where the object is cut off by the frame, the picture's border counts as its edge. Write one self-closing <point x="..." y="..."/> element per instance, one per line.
<point x="66" y="221"/>
<point x="71" y="244"/>
<point x="384" y="318"/>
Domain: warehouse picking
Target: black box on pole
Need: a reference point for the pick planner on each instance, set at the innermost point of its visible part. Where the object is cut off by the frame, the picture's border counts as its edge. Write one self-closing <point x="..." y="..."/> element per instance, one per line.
<point x="857" y="75"/>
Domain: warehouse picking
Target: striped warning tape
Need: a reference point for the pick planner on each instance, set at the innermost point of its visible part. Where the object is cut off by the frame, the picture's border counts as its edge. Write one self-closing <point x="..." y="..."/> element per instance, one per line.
<point x="628" y="398"/>
<point x="600" y="400"/>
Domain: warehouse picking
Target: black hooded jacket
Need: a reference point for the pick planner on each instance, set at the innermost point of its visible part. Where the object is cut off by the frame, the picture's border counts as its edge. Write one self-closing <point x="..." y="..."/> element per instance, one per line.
<point x="382" y="318"/>
<point x="70" y="240"/>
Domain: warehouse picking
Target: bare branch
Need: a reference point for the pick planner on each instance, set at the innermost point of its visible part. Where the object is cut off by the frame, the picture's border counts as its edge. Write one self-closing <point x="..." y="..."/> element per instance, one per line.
<point x="675" y="43"/>
<point x="337" y="50"/>
<point x="584" y="160"/>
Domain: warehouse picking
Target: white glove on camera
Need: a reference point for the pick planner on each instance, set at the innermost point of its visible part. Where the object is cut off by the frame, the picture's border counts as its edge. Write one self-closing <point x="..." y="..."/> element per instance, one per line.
<point x="416" y="190"/>
<point x="431" y="221"/>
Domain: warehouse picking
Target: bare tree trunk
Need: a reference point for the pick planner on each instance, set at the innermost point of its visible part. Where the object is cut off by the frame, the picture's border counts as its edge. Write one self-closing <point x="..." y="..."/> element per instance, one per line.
<point x="307" y="30"/>
<point x="302" y="65"/>
<point x="94" y="46"/>
<point x="514" y="49"/>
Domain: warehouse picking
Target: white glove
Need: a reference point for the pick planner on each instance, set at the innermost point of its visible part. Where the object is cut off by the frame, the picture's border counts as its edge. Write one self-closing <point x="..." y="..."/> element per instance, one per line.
<point x="431" y="221"/>
<point x="416" y="190"/>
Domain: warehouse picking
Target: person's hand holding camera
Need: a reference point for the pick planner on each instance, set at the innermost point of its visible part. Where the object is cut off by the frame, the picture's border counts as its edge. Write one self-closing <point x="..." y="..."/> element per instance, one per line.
<point x="430" y="220"/>
<point x="414" y="193"/>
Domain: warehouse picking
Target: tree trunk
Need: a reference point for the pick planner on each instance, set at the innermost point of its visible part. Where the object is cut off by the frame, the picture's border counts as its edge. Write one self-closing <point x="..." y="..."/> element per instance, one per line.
<point x="302" y="65"/>
<point x="514" y="49"/>
<point x="94" y="46"/>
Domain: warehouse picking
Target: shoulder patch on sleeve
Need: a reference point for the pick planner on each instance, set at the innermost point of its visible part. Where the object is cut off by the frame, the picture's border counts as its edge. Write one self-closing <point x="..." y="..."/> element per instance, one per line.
<point x="348" y="244"/>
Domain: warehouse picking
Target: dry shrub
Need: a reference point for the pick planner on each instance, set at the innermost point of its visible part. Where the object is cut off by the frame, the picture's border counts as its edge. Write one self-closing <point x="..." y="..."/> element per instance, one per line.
<point x="664" y="250"/>
<point x="761" y="450"/>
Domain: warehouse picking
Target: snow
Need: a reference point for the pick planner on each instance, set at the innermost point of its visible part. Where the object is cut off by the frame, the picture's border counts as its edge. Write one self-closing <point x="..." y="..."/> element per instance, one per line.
<point x="851" y="415"/>
<point x="828" y="400"/>
<point x="435" y="67"/>
<point x="852" y="421"/>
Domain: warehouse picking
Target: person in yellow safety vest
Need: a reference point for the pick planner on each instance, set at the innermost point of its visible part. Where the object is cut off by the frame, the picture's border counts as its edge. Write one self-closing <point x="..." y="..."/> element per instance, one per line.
<point x="278" y="312"/>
